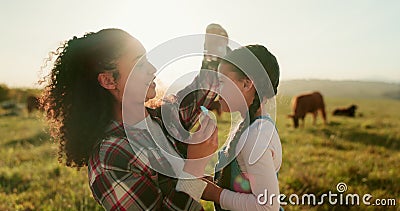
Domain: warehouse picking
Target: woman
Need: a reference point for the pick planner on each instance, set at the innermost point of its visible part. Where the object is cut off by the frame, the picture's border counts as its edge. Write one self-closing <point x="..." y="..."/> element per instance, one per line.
<point x="83" y="100"/>
<point x="249" y="176"/>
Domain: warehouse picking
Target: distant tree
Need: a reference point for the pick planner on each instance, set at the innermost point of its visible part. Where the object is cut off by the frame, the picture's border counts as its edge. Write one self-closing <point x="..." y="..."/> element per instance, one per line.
<point x="4" y="92"/>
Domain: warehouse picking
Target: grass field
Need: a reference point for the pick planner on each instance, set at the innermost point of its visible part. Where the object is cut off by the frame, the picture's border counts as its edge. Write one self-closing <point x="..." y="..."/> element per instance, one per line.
<point x="362" y="152"/>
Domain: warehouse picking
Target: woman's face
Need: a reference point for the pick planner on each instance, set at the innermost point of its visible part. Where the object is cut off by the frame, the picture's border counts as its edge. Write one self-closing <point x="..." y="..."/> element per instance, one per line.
<point x="140" y="84"/>
<point x="235" y="94"/>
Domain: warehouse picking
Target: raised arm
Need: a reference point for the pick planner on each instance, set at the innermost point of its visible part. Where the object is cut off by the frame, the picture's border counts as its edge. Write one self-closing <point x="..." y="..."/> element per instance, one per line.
<point x="201" y="92"/>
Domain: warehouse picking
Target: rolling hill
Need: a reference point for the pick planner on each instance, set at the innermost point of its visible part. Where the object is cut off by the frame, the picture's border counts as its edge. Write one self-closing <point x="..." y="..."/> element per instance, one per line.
<point x="342" y="89"/>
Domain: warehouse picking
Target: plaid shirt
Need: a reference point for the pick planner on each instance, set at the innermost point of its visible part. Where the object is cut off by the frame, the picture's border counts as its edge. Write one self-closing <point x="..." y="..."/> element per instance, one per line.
<point x="119" y="174"/>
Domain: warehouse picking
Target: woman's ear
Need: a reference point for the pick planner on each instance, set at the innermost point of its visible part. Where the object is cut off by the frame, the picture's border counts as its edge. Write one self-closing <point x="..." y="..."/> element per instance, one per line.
<point x="107" y="80"/>
<point x="247" y="84"/>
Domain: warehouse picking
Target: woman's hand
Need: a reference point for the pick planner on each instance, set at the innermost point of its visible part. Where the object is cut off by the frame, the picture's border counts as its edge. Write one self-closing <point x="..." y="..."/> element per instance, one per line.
<point x="201" y="145"/>
<point x="204" y="141"/>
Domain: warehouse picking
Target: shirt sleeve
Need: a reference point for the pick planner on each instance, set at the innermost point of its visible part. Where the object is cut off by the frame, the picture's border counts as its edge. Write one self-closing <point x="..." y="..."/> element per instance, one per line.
<point x="262" y="176"/>
<point x="192" y="186"/>
<point x="201" y="92"/>
<point x="127" y="183"/>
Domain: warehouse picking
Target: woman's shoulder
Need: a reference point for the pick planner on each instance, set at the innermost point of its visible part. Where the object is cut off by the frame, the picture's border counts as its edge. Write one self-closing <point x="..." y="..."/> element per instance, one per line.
<point x="120" y="141"/>
<point x="114" y="153"/>
<point x="119" y="153"/>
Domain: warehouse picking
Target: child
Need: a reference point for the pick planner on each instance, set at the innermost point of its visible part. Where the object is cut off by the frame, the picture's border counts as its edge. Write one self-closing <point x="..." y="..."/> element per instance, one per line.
<point x="254" y="153"/>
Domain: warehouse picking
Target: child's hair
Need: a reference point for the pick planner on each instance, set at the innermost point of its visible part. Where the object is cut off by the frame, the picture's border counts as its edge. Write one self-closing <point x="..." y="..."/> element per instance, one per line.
<point x="269" y="64"/>
<point x="78" y="108"/>
<point x="263" y="89"/>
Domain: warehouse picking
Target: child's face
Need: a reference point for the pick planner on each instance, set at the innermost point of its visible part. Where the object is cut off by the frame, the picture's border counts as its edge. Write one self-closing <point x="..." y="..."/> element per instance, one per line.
<point x="236" y="92"/>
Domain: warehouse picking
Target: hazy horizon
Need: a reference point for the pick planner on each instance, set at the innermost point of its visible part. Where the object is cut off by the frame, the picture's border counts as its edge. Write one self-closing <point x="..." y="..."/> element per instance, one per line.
<point x="282" y="80"/>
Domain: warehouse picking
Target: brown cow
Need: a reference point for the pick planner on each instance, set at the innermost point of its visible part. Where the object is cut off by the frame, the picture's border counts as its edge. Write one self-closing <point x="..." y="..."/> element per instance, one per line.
<point x="350" y="111"/>
<point x="307" y="103"/>
<point x="32" y="103"/>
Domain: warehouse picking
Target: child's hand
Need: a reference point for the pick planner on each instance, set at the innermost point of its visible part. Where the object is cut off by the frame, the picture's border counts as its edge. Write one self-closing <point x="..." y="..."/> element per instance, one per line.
<point x="212" y="192"/>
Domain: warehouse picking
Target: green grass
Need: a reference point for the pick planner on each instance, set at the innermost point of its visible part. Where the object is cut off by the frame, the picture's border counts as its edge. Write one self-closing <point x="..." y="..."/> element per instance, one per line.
<point x="30" y="176"/>
<point x="363" y="152"/>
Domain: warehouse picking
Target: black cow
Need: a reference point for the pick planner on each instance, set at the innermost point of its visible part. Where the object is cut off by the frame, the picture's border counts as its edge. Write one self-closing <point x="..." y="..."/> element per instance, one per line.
<point x="350" y="111"/>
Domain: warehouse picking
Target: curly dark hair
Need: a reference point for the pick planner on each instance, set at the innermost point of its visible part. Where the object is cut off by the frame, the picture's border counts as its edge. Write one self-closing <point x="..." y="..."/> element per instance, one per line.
<point x="77" y="107"/>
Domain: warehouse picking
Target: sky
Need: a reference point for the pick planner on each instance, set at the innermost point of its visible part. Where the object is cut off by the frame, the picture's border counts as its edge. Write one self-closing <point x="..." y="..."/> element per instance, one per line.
<point x="312" y="39"/>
